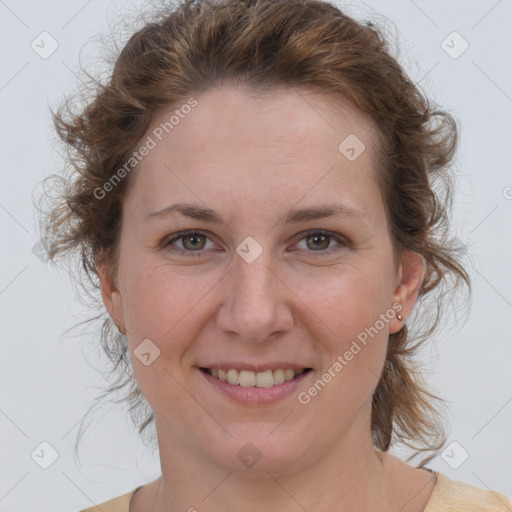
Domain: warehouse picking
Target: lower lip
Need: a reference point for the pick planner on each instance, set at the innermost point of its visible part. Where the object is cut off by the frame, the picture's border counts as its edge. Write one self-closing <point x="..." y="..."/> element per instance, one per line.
<point x="254" y="395"/>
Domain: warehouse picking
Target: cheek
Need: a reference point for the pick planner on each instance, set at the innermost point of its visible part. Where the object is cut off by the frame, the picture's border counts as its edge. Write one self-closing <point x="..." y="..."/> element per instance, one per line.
<point x="166" y="305"/>
<point x="355" y="354"/>
<point x="349" y="302"/>
<point x="355" y="307"/>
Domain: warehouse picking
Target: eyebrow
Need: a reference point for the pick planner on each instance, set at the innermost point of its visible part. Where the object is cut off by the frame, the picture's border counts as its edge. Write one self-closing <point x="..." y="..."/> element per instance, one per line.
<point x="189" y="210"/>
<point x="197" y="212"/>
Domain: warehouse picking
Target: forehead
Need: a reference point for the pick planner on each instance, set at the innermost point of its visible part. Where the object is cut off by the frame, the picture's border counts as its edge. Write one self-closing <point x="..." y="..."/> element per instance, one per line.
<point x="282" y="115"/>
<point x="266" y="149"/>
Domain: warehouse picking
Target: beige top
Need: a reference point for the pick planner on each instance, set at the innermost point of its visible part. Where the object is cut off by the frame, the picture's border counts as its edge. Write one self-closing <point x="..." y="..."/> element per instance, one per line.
<point x="448" y="496"/>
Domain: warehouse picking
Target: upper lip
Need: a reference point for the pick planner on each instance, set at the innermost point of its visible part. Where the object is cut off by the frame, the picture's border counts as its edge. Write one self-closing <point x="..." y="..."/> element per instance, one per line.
<point x="226" y="365"/>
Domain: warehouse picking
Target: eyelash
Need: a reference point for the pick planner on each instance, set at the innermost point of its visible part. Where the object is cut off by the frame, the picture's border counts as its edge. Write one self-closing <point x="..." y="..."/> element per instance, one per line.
<point x="342" y="242"/>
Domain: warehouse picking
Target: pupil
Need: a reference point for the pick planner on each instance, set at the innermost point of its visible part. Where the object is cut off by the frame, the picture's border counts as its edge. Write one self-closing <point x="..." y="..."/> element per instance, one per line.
<point x="319" y="238"/>
<point x="191" y="242"/>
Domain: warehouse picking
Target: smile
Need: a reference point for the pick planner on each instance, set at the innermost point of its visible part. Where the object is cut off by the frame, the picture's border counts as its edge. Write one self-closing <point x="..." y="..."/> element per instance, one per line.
<point x="248" y="379"/>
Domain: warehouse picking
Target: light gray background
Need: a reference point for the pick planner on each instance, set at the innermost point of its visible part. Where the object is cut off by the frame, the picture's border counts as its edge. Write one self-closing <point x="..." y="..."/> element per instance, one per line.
<point x="47" y="378"/>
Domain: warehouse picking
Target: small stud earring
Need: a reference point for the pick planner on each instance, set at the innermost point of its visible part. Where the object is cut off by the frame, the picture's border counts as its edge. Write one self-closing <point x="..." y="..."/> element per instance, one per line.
<point x="399" y="316"/>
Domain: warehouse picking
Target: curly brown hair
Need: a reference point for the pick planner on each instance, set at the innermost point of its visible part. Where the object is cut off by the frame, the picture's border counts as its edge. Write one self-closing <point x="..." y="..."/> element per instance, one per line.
<point x="265" y="44"/>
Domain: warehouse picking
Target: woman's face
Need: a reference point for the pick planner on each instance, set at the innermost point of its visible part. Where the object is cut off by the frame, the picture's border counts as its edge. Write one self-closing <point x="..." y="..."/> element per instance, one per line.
<point x="255" y="242"/>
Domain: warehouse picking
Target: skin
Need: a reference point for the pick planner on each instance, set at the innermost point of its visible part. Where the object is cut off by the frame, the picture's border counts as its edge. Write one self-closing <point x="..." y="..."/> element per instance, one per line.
<point x="251" y="161"/>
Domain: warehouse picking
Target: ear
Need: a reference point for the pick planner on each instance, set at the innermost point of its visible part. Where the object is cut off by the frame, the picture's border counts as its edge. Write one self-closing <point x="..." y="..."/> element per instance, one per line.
<point x="409" y="280"/>
<point x="111" y="295"/>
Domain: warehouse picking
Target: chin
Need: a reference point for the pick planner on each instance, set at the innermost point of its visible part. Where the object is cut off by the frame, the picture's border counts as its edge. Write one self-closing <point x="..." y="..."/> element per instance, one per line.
<point x="257" y="448"/>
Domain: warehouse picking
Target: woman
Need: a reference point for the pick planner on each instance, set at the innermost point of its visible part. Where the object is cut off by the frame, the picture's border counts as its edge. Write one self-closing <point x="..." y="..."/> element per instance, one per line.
<point x="255" y="197"/>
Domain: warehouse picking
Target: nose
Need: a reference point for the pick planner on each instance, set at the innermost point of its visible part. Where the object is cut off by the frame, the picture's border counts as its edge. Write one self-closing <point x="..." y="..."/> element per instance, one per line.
<point x="256" y="303"/>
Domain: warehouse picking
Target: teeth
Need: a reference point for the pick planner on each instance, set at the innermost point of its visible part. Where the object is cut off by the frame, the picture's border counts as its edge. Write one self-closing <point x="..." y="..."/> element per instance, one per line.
<point x="247" y="378"/>
<point x="233" y="377"/>
<point x="264" y="379"/>
<point x="278" y="376"/>
<point x="289" y="374"/>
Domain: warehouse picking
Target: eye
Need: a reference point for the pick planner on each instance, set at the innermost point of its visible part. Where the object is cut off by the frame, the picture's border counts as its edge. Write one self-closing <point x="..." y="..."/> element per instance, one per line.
<point x="322" y="242"/>
<point x="193" y="243"/>
<point x="189" y="242"/>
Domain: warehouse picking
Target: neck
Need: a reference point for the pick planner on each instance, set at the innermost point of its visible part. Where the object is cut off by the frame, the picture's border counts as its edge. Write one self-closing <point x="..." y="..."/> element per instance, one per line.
<point x="349" y="476"/>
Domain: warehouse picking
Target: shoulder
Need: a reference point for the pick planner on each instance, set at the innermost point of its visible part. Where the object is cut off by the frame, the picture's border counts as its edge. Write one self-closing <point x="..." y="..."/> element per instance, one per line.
<point x="119" y="504"/>
<point x="454" y="496"/>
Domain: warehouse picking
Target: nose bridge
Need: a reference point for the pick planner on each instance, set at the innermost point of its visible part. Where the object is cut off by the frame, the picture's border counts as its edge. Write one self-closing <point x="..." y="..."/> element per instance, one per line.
<point x="255" y="304"/>
<point x="254" y="281"/>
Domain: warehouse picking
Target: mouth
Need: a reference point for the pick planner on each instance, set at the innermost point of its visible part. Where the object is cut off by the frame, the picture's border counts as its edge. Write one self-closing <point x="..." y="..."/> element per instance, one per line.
<point x="250" y="379"/>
